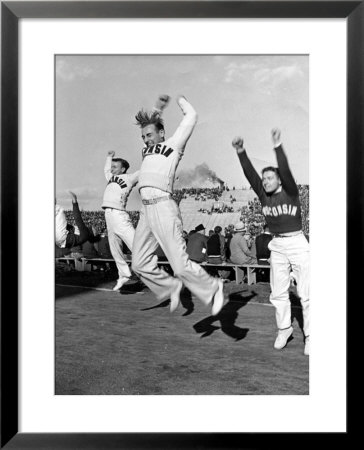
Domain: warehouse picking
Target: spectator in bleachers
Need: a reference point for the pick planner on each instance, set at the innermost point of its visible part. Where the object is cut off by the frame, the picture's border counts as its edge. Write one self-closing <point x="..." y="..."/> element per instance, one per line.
<point x="88" y="248"/>
<point x="65" y="236"/>
<point x="197" y="244"/>
<point x="76" y="250"/>
<point x="261" y="244"/>
<point x="216" y="252"/>
<point x="239" y="249"/>
<point x="228" y="236"/>
<point x="216" y="246"/>
<point x="103" y="246"/>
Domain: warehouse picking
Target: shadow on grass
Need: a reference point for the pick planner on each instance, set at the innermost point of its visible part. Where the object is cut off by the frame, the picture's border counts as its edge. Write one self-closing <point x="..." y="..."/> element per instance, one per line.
<point x="163" y="304"/>
<point x="62" y="293"/>
<point x="73" y="283"/>
<point x="227" y="318"/>
<point x="132" y="288"/>
<point x="186" y="302"/>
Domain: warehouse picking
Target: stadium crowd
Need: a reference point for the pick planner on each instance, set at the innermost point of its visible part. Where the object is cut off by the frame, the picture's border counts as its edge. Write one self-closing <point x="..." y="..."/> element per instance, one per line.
<point x="251" y="215"/>
<point x="251" y="219"/>
<point x="202" y="194"/>
<point x="96" y="219"/>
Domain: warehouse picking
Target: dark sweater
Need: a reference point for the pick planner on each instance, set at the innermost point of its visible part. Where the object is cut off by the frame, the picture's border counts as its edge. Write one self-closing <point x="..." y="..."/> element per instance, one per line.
<point x="282" y="210"/>
<point x="214" y="245"/>
<point x="195" y="246"/>
<point x="261" y="244"/>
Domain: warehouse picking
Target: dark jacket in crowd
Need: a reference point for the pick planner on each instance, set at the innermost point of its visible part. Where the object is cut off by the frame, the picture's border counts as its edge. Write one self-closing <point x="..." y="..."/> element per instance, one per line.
<point x="196" y="247"/>
<point x="214" y="245"/>
<point x="89" y="250"/>
<point x="104" y="248"/>
<point x="261" y="243"/>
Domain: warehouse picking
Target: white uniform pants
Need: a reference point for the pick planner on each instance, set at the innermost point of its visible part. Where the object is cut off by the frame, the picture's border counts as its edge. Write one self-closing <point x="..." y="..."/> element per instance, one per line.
<point x="161" y="224"/>
<point x="119" y="229"/>
<point x="286" y="253"/>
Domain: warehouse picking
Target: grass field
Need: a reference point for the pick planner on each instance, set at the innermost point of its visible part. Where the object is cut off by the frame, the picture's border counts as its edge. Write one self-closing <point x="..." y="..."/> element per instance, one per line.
<point x="115" y="343"/>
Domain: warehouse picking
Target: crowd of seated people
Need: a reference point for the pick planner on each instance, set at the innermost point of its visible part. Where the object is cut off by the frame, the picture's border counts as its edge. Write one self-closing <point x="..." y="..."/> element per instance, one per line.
<point x="250" y="216"/>
<point x="94" y="248"/>
<point x="236" y="245"/>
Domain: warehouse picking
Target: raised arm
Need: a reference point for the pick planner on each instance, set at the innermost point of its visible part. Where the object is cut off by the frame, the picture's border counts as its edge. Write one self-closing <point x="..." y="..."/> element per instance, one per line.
<point x="249" y="171"/>
<point x="161" y="104"/>
<point x="285" y="174"/>
<point x="187" y="124"/>
<point x="107" y="168"/>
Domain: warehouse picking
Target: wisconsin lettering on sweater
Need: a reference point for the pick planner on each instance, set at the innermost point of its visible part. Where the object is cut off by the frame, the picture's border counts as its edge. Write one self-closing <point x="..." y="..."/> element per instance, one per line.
<point x="119" y="181"/>
<point x="158" y="149"/>
<point x="282" y="209"/>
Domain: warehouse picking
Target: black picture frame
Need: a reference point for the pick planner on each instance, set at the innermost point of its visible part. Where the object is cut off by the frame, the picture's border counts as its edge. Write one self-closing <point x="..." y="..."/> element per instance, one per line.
<point x="11" y="12"/>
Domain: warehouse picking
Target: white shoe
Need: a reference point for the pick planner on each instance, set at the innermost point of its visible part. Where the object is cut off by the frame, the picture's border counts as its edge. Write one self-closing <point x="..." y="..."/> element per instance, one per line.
<point x="175" y="296"/>
<point x="307" y="346"/>
<point x="282" y="338"/>
<point x="120" y="283"/>
<point x="218" y="299"/>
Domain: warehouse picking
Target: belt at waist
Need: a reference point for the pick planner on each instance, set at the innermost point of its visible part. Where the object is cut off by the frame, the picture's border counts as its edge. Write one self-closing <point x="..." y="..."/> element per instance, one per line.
<point x="152" y="201"/>
<point x="286" y="235"/>
<point x="114" y="209"/>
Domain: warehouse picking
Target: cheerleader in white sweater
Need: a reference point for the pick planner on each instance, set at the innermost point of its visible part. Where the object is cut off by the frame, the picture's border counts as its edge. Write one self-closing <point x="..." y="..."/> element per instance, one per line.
<point x="119" y="226"/>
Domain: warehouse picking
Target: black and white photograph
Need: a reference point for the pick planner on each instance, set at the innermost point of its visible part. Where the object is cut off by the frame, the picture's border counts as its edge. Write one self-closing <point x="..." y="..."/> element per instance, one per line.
<point x="181" y="184"/>
<point x="182" y="224"/>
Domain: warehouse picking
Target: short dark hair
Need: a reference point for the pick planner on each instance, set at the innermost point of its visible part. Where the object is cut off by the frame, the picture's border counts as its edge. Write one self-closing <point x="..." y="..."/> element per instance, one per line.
<point x="144" y="119"/>
<point x="271" y="169"/>
<point x="217" y="229"/>
<point x="123" y="163"/>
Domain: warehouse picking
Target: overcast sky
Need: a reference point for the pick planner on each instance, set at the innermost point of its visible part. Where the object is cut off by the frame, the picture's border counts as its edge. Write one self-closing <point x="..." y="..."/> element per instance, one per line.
<point x="97" y="98"/>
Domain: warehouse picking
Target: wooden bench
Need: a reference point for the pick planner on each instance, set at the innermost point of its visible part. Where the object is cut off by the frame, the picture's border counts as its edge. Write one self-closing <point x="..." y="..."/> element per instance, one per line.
<point x="252" y="271"/>
<point x="81" y="264"/>
<point x="239" y="270"/>
<point x="78" y="263"/>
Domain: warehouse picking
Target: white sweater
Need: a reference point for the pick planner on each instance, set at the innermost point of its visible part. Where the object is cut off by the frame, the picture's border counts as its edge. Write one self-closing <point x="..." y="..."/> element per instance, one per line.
<point x="118" y="187"/>
<point x="61" y="227"/>
<point x="160" y="161"/>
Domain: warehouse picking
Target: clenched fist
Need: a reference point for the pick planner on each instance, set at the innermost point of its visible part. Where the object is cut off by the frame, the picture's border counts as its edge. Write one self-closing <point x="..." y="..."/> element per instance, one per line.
<point x="162" y="102"/>
<point x="276" y="136"/>
<point x="238" y="144"/>
<point x="74" y="196"/>
<point x="111" y="153"/>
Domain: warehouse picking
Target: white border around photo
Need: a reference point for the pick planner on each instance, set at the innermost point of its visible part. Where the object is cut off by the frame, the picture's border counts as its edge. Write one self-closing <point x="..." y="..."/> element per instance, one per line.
<point x="324" y="409"/>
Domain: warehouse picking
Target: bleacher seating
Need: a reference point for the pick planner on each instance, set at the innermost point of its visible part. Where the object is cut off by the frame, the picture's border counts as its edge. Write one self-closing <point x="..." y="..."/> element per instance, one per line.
<point x="87" y="264"/>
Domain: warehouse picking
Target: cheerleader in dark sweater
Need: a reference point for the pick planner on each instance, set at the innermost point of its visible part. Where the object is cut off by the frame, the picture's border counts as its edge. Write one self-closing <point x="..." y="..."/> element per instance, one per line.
<point x="279" y="196"/>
